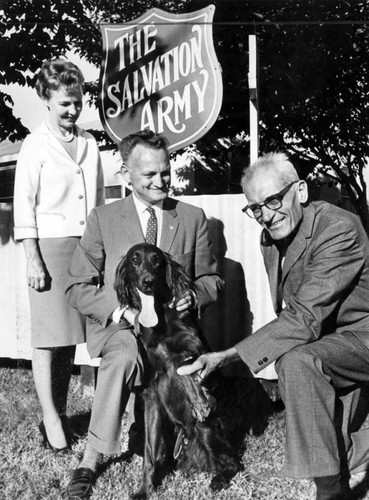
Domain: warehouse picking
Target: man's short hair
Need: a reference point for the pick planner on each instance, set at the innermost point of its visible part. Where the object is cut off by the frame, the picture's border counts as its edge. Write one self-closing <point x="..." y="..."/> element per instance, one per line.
<point x="278" y="162"/>
<point x="145" y="137"/>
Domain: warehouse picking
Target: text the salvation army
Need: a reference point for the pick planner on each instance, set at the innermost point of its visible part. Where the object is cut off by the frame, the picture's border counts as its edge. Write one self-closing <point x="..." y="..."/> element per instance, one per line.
<point x="161" y="72"/>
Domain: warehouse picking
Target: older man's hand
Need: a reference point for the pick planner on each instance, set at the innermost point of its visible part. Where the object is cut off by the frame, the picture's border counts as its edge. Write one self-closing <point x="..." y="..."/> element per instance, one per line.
<point x="207" y="363"/>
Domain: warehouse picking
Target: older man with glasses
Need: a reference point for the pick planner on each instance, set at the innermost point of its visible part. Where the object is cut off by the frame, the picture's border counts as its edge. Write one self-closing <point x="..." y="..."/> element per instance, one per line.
<point x="317" y="260"/>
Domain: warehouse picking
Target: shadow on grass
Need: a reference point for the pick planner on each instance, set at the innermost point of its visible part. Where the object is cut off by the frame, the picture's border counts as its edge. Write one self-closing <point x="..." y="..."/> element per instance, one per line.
<point x="80" y="423"/>
<point x="125" y="457"/>
<point x="24" y="364"/>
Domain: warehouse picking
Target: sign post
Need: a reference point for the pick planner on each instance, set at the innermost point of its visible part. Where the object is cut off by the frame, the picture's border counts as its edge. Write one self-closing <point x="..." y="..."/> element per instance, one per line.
<point x="253" y="100"/>
<point x="161" y="72"/>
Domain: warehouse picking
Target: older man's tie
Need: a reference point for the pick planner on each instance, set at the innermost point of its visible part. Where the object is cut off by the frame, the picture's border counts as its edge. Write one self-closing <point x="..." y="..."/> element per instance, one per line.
<point x="152" y="227"/>
<point x="282" y="255"/>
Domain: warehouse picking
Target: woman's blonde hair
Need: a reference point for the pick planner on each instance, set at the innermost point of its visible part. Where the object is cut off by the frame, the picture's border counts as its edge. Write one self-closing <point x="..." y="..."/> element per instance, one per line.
<point x="55" y="74"/>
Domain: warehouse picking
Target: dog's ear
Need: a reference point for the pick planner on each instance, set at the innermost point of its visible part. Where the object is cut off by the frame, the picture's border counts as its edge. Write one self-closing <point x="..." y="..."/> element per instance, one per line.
<point x="177" y="280"/>
<point x="126" y="293"/>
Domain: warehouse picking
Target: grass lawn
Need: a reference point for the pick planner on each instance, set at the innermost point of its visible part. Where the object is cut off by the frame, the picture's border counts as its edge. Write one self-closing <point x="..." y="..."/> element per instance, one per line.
<point x="29" y="472"/>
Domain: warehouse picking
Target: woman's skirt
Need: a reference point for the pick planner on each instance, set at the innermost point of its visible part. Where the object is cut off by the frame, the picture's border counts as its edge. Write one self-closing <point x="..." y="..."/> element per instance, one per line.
<point x="54" y="322"/>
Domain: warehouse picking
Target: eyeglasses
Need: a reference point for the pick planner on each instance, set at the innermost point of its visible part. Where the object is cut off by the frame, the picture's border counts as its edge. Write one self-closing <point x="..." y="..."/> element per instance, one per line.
<point x="273" y="202"/>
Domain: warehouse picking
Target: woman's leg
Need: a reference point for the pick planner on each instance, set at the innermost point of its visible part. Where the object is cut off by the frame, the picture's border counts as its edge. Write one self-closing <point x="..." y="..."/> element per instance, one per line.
<point x="52" y="368"/>
<point x="62" y="369"/>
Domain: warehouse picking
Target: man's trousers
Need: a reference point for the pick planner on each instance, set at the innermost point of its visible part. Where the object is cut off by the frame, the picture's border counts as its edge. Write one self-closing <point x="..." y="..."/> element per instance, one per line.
<point x="321" y="384"/>
<point x="120" y="372"/>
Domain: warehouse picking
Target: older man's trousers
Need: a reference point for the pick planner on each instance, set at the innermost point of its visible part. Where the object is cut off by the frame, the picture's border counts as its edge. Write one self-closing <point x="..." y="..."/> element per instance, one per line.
<point x="321" y="384"/>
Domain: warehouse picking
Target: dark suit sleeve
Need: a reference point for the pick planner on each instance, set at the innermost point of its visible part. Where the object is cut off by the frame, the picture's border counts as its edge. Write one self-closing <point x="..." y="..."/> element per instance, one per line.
<point x="208" y="282"/>
<point x="86" y="291"/>
<point x="336" y="262"/>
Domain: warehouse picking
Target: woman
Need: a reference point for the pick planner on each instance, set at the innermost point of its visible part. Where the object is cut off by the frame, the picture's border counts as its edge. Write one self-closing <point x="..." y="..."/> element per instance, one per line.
<point x="58" y="180"/>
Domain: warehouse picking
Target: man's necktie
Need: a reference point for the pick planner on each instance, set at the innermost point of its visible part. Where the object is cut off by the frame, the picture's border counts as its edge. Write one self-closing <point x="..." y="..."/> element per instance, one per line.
<point x="152" y="227"/>
<point x="282" y="255"/>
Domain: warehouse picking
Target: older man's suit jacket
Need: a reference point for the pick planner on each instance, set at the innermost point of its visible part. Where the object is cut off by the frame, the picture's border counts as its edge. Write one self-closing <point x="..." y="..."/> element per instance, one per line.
<point x="111" y="230"/>
<point x="324" y="285"/>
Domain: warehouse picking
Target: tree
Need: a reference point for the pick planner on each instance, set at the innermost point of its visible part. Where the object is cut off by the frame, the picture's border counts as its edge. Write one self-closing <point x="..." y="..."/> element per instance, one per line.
<point x="313" y="83"/>
<point x="314" y="94"/>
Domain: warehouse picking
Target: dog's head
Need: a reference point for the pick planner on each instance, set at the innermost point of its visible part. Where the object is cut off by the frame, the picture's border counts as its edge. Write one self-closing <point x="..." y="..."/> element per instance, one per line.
<point x="147" y="269"/>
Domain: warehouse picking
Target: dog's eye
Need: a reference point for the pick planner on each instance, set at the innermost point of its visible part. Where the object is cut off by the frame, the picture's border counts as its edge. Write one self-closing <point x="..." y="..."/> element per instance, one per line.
<point x="155" y="261"/>
<point x="135" y="260"/>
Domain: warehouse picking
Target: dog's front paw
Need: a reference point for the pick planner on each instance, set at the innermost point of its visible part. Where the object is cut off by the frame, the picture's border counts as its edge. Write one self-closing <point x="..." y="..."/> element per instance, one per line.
<point x="219" y="482"/>
<point x="223" y="479"/>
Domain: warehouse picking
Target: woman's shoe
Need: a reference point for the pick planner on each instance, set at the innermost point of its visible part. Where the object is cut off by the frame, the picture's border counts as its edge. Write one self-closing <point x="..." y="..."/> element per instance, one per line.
<point x="47" y="443"/>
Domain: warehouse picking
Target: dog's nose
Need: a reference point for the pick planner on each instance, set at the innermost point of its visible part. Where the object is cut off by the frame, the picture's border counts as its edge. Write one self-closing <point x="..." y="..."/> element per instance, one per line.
<point x="148" y="282"/>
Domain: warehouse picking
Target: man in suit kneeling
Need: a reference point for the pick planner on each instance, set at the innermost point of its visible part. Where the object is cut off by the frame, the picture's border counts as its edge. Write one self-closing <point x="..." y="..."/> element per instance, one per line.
<point x="146" y="215"/>
<point x="317" y="259"/>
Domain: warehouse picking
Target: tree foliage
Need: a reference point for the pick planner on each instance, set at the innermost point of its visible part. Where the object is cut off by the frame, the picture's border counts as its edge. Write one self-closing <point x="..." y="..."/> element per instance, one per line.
<point x="314" y="94"/>
<point x="313" y="83"/>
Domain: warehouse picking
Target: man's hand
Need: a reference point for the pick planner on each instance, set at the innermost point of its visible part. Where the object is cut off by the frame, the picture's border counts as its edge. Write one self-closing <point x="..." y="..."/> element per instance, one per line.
<point x="207" y="363"/>
<point x="131" y="315"/>
<point x="186" y="301"/>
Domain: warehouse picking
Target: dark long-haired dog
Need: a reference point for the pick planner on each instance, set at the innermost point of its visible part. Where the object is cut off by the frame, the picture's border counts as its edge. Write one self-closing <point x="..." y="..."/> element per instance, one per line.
<point x="196" y="425"/>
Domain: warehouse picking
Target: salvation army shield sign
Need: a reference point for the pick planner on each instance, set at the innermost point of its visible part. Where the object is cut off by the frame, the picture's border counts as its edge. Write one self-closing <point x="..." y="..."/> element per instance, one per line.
<point x="161" y="72"/>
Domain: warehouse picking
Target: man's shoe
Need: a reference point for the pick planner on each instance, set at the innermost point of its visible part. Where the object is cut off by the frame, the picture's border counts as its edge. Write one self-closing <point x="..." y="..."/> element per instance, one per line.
<point x="338" y="496"/>
<point x="81" y="483"/>
<point x="332" y="488"/>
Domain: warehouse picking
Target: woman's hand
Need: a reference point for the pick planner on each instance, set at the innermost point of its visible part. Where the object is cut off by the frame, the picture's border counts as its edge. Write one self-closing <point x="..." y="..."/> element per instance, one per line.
<point x="36" y="273"/>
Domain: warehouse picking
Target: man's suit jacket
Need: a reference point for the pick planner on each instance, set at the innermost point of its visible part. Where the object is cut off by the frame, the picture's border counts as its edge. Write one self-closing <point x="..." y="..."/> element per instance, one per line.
<point x="324" y="285"/>
<point x="110" y="231"/>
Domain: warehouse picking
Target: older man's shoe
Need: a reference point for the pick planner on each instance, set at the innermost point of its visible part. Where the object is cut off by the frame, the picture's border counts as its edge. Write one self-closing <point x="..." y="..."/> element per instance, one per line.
<point x="81" y="484"/>
<point x="332" y="488"/>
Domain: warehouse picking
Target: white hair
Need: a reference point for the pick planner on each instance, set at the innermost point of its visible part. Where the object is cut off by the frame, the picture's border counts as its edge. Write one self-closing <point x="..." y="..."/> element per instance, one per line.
<point x="278" y="162"/>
